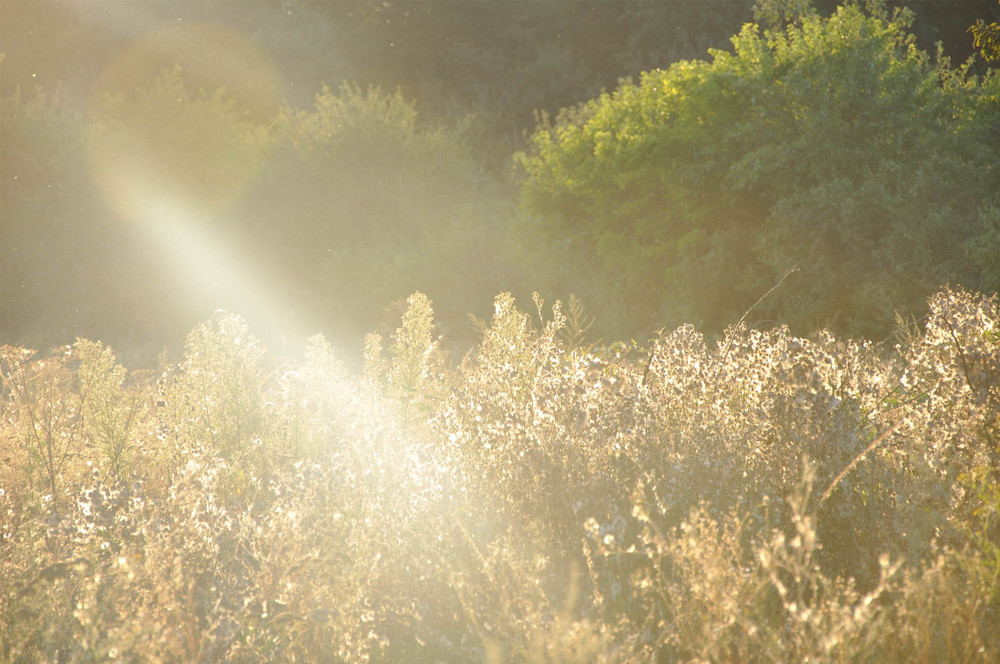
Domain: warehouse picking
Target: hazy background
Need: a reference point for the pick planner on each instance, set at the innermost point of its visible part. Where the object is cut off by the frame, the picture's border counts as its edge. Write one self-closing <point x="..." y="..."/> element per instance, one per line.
<point x="310" y="164"/>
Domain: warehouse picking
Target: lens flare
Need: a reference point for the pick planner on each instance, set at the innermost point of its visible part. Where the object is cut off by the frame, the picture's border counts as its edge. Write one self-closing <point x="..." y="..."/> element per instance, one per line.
<point x="193" y="100"/>
<point x="177" y="134"/>
<point x="211" y="57"/>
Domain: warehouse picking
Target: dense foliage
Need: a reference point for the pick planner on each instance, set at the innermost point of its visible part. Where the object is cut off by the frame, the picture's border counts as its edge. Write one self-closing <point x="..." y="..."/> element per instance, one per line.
<point x="382" y="205"/>
<point x="831" y="143"/>
<point x="986" y="39"/>
<point x="162" y="160"/>
<point x="768" y="498"/>
<point x="168" y="202"/>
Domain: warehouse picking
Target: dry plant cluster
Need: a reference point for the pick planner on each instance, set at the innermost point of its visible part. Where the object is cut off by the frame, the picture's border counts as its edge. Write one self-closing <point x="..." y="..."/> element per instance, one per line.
<point x="765" y="498"/>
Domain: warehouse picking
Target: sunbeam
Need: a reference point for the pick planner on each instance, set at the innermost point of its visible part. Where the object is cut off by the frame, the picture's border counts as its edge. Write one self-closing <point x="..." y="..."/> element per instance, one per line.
<point x="173" y="160"/>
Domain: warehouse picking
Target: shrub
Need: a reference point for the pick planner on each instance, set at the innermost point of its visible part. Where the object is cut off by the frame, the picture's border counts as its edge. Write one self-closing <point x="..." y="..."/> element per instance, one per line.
<point x="828" y="142"/>
<point x="215" y="398"/>
<point x="110" y="411"/>
<point x="764" y="498"/>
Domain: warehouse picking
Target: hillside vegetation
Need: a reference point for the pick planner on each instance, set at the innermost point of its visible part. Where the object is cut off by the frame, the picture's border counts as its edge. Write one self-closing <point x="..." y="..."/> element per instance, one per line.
<point x="311" y="164"/>
<point x="767" y="498"/>
<point x="828" y="142"/>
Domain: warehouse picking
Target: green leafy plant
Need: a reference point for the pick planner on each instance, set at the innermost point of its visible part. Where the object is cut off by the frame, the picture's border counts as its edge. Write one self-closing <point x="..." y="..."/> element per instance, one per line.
<point x="578" y="323"/>
<point x="824" y="141"/>
<point x="215" y="398"/>
<point x="986" y="39"/>
<point x="45" y="412"/>
<point x="111" y="411"/>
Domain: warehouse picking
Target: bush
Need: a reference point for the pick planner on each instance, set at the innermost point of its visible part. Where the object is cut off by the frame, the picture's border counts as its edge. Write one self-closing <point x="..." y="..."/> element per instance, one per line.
<point x="372" y="195"/>
<point x="831" y="143"/>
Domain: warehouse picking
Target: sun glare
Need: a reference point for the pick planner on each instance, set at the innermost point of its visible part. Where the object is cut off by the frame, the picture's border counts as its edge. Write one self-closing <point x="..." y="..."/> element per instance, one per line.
<point x="149" y="181"/>
<point x="211" y="57"/>
<point x="206" y="272"/>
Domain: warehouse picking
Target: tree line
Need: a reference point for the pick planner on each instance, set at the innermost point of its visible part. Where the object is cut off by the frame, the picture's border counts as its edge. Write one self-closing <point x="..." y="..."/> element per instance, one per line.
<point x="835" y="139"/>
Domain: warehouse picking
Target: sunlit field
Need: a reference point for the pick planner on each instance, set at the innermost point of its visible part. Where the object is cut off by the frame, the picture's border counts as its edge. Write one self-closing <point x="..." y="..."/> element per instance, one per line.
<point x="763" y="498"/>
<point x="527" y="332"/>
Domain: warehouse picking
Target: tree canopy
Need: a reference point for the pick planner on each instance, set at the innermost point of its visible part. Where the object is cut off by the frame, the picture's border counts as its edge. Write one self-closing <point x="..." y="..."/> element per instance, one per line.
<point x="831" y="143"/>
<point x="986" y="39"/>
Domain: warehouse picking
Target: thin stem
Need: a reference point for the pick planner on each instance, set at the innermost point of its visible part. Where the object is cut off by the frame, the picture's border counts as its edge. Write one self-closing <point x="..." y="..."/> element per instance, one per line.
<point x="875" y="443"/>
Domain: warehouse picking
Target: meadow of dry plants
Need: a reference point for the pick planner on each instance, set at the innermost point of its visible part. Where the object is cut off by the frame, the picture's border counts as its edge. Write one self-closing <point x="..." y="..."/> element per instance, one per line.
<point x="764" y="498"/>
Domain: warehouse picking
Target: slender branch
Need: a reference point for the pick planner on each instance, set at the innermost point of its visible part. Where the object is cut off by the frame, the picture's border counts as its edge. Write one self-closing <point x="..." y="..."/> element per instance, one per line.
<point x="791" y="270"/>
<point x="729" y="344"/>
<point x="875" y="443"/>
<point x="649" y="362"/>
<point x="961" y="356"/>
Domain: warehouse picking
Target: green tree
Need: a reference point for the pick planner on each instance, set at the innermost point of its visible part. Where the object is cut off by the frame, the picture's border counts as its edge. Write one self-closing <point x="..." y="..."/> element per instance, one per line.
<point x="194" y="149"/>
<point x="986" y="39"/>
<point x="503" y="61"/>
<point x="832" y="143"/>
<point x="43" y="189"/>
<point x="376" y="204"/>
<point x="67" y="268"/>
<point x="80" y="260"/>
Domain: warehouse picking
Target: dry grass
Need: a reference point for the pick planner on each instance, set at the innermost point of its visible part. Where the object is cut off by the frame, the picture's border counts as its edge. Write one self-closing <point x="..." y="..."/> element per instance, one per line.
<point x="768" y="499"/>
